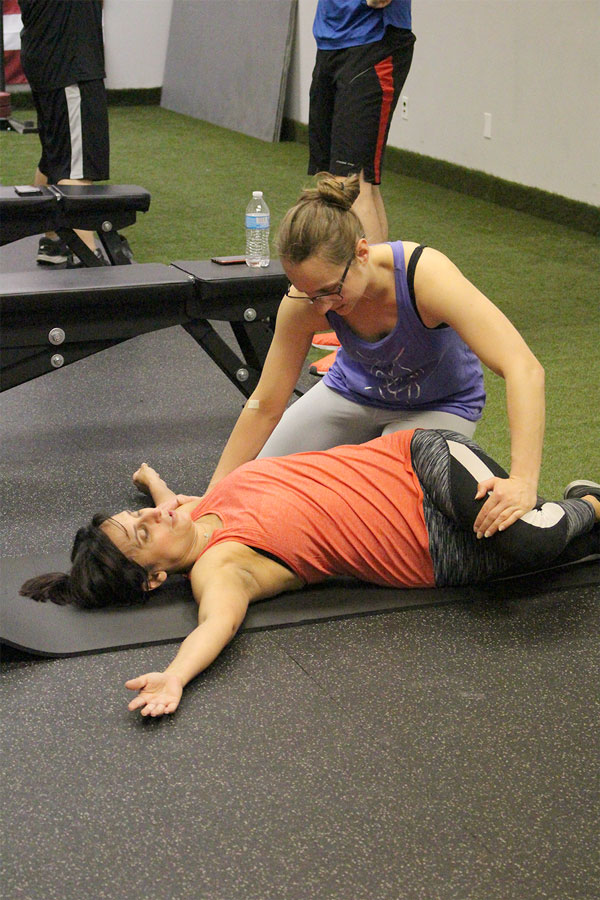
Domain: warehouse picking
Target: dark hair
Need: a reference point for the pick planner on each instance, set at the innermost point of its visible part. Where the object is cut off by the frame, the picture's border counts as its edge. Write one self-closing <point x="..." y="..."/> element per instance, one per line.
<point x="322" y="222"/>
<point x="100" y="575"/>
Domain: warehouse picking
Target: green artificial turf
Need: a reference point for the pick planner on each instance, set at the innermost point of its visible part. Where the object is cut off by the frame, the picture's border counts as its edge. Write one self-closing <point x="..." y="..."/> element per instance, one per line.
<point x="543" y="275"/>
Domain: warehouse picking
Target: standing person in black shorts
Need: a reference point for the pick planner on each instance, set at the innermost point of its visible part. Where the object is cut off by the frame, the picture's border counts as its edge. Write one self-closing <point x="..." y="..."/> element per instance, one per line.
<point x="62" y="53"/>
<point x="364" y="54"/>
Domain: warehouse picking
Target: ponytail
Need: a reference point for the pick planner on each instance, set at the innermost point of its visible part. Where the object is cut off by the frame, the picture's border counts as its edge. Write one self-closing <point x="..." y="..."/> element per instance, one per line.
<point x="55" y="586"/>
<point x="322" y="222"/>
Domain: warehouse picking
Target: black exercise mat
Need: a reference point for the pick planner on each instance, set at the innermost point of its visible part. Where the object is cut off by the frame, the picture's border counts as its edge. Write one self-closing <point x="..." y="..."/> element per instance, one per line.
<point x="50" y="630"/>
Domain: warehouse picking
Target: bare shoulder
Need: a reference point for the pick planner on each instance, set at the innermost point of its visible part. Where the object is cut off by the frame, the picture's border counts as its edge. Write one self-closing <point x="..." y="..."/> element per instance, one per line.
<point x="435" y="272"/>
<point x="264" y="576"/>
<point x="300" y="315"/>
<point x="409" y="247"/>
<point x="431" y="260"/>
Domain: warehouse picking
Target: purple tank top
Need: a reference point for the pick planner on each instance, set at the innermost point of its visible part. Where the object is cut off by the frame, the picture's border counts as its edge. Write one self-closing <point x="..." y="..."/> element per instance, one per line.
<point x="413" y="368"/>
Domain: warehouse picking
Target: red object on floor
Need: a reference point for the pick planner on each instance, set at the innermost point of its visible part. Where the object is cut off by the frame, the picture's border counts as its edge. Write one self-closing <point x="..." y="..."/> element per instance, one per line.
<point x="326" y="340"/>
<point x="323" y="365"/>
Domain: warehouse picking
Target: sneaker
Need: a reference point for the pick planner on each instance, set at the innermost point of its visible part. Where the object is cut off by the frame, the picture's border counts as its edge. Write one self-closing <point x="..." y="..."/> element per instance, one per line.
<point x="581" y="488"/>
<point x="327" y="340"/>
<point x="52" y="252"/>
<point x="323" y="365"/>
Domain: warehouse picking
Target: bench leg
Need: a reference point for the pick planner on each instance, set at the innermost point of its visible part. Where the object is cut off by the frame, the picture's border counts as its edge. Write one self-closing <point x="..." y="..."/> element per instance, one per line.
<point x="254" y="339"/>
<point x="74" y="243"/>
<point x="244" y="373"/>
<point x="116" y="247"/>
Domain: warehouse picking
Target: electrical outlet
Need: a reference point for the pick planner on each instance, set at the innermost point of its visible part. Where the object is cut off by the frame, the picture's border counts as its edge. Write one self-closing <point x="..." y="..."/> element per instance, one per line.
<point x="404" y="106"/>
<point x="487" y="125"/>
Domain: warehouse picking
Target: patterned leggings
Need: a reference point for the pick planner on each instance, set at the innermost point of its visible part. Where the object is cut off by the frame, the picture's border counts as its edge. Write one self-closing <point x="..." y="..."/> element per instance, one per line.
<point x="449" y="466"/>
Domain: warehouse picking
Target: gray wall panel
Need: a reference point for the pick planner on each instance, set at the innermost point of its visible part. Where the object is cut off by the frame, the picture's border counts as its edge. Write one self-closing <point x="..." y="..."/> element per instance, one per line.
<point x="227" y="62"/>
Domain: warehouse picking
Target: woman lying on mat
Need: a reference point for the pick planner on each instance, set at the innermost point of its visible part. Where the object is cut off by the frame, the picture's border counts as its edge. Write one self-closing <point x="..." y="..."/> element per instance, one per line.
<point x="413" y="330"/>
<point x="397" y="511"/>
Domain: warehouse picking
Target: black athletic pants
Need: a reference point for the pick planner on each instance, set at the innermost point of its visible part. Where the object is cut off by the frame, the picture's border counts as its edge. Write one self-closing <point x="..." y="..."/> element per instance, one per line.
<point x="449" y="466"/>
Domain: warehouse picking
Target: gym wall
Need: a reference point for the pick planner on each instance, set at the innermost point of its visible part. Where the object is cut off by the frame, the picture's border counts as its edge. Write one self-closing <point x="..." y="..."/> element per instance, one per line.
<point x="136" y="33"/>
<point x="532" y="64"/>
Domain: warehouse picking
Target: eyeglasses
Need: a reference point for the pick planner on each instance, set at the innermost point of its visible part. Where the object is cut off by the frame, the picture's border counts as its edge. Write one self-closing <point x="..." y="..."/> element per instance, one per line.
<point x="336" y="292"/>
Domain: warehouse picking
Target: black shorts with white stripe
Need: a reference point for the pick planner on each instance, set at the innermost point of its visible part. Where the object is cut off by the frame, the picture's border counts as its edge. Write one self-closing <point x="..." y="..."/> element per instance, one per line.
<point x="73" y="129"/>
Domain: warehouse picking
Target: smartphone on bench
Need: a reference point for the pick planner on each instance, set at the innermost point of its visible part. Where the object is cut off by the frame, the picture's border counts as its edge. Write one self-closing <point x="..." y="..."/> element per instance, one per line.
<point x="228" y="260"/>
<point x="27" y="190"/>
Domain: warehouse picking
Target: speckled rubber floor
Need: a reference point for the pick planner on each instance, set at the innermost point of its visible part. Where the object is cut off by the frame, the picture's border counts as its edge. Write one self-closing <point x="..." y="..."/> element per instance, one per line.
<point x="438" y="752"/>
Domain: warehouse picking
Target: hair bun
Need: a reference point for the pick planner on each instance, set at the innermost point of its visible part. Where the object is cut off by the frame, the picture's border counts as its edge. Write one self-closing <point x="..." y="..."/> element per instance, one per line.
<point x="322" y="222"/>
<point x="338" y="191"/>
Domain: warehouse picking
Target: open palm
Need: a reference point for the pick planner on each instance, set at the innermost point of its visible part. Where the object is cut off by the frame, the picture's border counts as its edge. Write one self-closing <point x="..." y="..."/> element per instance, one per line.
<point x="159" y="693"/>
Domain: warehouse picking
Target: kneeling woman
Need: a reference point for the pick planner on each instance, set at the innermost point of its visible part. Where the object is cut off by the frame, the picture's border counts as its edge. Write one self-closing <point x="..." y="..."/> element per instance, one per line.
<point x="397" y="511"/>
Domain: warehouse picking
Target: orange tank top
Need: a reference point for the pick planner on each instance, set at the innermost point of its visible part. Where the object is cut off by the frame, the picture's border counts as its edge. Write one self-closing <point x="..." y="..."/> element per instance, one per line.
<point x="351" y="511"/>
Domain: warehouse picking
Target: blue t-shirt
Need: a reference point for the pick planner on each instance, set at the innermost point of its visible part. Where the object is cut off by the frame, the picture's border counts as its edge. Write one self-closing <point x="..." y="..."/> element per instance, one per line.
<point x="413" y="368"/>
<point x="351" y="23"/>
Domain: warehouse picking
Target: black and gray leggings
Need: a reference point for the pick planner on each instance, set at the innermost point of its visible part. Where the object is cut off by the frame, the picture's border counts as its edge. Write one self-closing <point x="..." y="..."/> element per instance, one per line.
<point x="449" y="466"/>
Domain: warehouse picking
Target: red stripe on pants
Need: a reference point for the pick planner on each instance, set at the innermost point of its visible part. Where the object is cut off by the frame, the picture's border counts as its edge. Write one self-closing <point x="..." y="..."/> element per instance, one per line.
<point x="385" y="74"/>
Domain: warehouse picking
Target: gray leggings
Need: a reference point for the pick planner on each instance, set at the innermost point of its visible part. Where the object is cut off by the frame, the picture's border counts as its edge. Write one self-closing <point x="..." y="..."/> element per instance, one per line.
<point x="322" y="418"/>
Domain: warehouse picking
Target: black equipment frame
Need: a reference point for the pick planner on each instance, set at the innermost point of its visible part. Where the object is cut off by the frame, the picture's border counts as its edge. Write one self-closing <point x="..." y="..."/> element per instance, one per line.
<point x="53" y="319"/>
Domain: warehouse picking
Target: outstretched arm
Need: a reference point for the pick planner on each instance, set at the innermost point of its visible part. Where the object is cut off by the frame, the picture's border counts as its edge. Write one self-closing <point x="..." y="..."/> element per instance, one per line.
<point x="224" y="581"/>
<point x="223" y="603"/>
<point x="223" y="590"/>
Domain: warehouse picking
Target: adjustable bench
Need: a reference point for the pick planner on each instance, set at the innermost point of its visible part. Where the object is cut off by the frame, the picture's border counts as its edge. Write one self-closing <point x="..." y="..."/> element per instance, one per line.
<point x="49" y="321"/>
<point x="103" y="208"/>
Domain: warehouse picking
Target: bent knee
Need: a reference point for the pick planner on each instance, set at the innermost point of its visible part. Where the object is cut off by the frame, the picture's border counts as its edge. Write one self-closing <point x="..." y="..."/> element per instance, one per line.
<point x="536" y="538"/>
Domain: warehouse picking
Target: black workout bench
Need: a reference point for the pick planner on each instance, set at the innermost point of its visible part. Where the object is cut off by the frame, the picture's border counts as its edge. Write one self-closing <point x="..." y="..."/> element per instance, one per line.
<point x="103" y="208"/>
<point x="50" y="320"/>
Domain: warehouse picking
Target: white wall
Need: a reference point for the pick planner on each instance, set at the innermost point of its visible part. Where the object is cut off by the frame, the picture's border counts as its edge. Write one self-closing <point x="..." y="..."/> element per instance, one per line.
<point x="136" y="33"/>
<point x="533" y="64"/>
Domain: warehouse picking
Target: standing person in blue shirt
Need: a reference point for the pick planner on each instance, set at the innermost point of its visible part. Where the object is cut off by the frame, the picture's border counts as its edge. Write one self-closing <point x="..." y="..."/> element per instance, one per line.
<point x="364" y="52"/>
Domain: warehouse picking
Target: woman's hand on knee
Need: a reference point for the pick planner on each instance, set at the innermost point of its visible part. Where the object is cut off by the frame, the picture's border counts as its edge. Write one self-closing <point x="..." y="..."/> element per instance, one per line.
<point x="508" y="499"/>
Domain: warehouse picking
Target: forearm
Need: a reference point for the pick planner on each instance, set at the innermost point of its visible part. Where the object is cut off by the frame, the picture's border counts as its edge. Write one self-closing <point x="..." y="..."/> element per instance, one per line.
<point x="525" y="400"/>
<point x="201" y="647"/>
<point x="159" y="490"/>
<point x="247" y="439"/>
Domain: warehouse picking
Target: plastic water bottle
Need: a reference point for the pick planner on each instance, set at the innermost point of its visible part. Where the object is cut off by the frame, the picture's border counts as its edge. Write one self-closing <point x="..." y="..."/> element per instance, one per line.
<point x="258" y="220"/>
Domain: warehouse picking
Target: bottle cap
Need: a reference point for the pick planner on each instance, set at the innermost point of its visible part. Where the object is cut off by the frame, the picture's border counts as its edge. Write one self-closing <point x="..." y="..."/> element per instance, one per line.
<point x="257" y="194"/>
